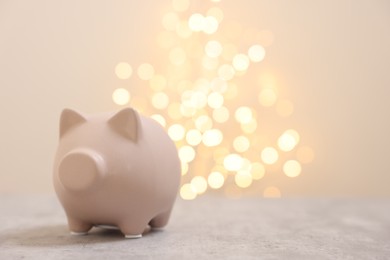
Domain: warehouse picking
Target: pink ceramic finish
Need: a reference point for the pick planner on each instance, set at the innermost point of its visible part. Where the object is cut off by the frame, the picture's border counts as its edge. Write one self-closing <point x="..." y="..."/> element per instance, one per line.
<point x="115" y="170"/>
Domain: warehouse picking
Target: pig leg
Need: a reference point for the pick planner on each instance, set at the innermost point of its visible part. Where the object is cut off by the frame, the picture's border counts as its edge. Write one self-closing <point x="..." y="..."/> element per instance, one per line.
<point x="161" y="219"/>
<point x="132" y="229"/>
<point x="78" y="227"/>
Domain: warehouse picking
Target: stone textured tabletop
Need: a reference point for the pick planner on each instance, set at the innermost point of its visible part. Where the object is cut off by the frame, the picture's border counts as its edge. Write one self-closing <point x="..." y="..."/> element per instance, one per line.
<point x="210" y="227"/>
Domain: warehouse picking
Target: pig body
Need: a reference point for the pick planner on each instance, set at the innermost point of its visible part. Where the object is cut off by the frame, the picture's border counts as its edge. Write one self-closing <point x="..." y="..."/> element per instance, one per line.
<point x="115" y="169"/>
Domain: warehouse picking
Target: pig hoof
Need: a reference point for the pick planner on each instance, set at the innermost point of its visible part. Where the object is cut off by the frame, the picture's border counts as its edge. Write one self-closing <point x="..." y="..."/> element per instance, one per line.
<point x="74" y="233"/>
<point x="133" y="236"/>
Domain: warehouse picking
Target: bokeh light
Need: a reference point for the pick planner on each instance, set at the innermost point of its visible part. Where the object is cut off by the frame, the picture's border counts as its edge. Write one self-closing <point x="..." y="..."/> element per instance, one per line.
<point x="243" y="179"/>
<point x="243" y="115"/>
<point x="233" y="162"/>
<point x="240" y="62"/>
<point x="212" y="137"/>
<point x="176" y="132"/>
<point x="187" y="192"/>
<point x="292" y="168"/>
<point x="241" y="144"/>
<point x="199" y="184"/>
<point x="220" y="107"/>
<point x="288" y="140"/>
<point x="123" y="70"/>
<point x="121" y="96"/>
<point x="145" y="71"/>
<point x="186" y="153"/>
<point x="216" y="180"/>
<point x="269" y="155"/>
<point x="256" y="53"/>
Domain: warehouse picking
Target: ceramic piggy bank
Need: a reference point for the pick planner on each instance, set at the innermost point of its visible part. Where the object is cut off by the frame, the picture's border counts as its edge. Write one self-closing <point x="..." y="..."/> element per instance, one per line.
<point x="115" y="170"/>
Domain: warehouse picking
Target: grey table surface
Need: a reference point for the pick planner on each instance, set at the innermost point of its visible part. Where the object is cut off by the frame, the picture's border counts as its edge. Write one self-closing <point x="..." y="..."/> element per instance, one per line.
<point x="210" y="227"/>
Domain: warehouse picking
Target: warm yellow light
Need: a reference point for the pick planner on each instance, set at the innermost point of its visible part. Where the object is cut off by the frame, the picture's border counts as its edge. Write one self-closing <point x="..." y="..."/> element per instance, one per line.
<point x="176" y="132"/>
<point x="199" y="184"/>
<point x="215" y="100"/>
<point x="203" y="123"/>
<point x="158" y="82"/>
<point x="272" y="192"/>
<point x="243" y="115"/>
<point x="212" y="137"/>
<point x="145" y="71"/>
<point x="292" y="168"/>
<point x="256" y="53"/>
<point x="213" y="49"/>
<point x="233" y="162"/>
<point x="241" y="144"/>
<point x="269" y="155"/>
<point x="267" y="97"/>
<point x="160" y="100"/>
<point x="186" y="153"/>
<point x="210" y="25"/>
<point x="180" y="5"/>
<point x="246" y="165"/>
<point x="294" y="133"/>
<point x="177" y="56"/>
<point x="221" y="114"/>
<point x="196" y="22"/>
<point x="121" y="96"/>
<point x="284" y="108"/>
<point x="187" y="192"/>
<point x="216" y="12"/>
<point x="257" y="171"/>
<point x="216" y="180"/>
<point x="123" y="70"/>
<point x="198" y="99"/>
<point x="240" y="62"/>
<point x="243" y="179"/>
<point x="170" y="20"/>
<point x="160" y="119"/>
<point x="194" y="137"/>
<point x="249" y="127"/>
<point x="288" y="140"/>
<point x="187" y="111"/>
<point x="226" y="72"/>
<point x="305" y="154"/>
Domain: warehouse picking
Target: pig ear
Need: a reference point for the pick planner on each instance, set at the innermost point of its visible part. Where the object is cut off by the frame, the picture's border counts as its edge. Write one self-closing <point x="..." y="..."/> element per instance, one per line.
<point x="69" y="119"/>
<point x="125" y="123"/>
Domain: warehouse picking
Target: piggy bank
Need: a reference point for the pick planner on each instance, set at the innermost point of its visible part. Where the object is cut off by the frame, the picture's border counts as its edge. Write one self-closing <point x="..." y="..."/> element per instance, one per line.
<point x="115" y="170"/>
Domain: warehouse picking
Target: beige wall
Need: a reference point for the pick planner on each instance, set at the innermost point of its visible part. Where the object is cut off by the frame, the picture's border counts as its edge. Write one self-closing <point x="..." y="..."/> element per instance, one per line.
<point x="333" y="58"/>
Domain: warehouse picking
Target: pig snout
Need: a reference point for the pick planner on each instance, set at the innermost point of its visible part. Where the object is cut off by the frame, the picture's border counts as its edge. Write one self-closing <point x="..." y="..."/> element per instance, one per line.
<point x="81" y="169"/>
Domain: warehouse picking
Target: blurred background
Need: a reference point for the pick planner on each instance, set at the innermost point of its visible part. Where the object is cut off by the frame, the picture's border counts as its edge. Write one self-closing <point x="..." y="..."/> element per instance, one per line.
<point x="263" y="98"/>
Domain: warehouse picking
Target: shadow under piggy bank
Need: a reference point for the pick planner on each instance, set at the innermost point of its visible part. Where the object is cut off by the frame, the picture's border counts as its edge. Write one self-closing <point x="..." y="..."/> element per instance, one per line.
<point x="48" y="236"/>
